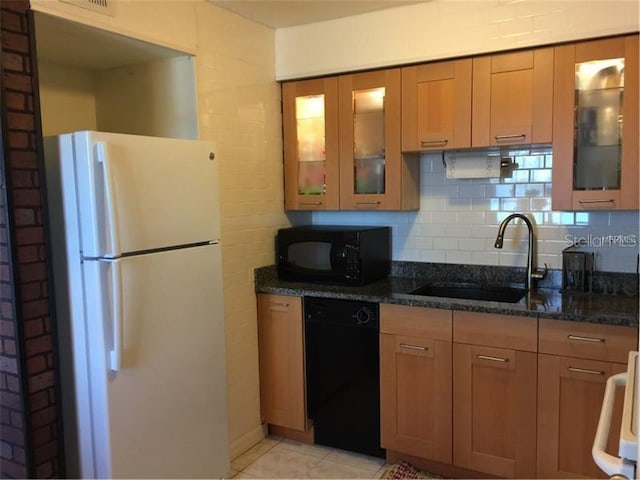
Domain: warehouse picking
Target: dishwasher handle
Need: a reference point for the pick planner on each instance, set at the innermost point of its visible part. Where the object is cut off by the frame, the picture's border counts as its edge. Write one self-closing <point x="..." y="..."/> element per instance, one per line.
<point x="608" y="463"/>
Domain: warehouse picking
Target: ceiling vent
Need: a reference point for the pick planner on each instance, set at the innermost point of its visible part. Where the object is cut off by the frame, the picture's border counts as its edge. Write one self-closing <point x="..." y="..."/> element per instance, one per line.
<point x="100" y="6"/>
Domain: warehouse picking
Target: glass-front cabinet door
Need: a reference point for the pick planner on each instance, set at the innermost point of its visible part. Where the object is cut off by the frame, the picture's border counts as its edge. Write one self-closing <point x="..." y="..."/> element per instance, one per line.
<point x="370" y="158"/>
<point x="595" y="142"/>
<point x="598" y="124"/>
<point x="310" y="121"/>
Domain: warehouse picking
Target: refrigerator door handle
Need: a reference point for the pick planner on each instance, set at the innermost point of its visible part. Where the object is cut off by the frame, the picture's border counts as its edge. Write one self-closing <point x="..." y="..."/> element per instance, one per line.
<point x="102" y="156"/>
<point x="115" y="303"/>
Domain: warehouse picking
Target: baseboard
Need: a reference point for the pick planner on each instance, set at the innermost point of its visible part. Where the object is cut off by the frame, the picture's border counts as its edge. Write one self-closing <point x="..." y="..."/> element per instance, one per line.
<point x="246" y="441"/>
<point x="302" y="437"/>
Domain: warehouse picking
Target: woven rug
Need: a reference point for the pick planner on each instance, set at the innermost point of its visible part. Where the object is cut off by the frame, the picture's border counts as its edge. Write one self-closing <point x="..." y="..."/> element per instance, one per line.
<point x="405" y="470"/>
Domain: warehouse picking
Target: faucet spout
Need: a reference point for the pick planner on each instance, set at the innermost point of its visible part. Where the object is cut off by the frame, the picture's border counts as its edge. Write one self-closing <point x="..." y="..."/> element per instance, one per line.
<point x="532" y="272"/>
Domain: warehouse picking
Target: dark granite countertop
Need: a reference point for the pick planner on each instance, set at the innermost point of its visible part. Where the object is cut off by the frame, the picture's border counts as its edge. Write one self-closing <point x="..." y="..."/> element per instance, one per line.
<point x="546" y="301"/>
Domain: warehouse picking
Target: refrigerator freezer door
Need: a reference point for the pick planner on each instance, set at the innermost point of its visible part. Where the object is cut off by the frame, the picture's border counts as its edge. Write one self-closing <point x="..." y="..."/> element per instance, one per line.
<point x="139" y="193"/>
<point x="163" y="414"/>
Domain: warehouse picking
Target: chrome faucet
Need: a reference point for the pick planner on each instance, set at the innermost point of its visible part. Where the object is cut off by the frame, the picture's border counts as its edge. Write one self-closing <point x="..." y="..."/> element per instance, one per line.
<point x="532" y="272"/>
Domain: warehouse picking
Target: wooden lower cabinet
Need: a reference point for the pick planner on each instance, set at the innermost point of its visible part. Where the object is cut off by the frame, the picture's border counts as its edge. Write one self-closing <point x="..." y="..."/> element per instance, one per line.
<point x="280" y="342"/>
<point x="494" y="410"/>
<point x="467" y="392"/>
<point x="574" y="362"/>
<point x="570" y="393"/>
<point x="415" y="381"/>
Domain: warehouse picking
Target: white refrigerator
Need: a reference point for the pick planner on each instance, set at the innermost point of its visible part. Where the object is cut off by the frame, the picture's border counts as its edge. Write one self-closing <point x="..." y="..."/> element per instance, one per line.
<point x="135" y="228"/>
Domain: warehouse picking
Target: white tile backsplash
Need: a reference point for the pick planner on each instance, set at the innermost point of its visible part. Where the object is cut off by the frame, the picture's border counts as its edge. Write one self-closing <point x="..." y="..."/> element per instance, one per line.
<point x="459" y="218"/>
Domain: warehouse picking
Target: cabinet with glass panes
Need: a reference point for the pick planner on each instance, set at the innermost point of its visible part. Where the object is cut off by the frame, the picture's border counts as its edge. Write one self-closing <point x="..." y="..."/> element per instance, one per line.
<point x="310" y="132"/>
<point x="342" y="144"/>
<point x="595" y="131"/>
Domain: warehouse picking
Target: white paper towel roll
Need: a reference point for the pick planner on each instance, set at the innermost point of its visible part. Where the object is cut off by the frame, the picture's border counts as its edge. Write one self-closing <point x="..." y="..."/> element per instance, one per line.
<point x="473" y="167"/>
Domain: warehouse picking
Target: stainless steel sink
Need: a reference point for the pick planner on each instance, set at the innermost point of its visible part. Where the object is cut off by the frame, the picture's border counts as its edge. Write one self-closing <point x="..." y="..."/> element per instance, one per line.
<point x="501" y="294"/>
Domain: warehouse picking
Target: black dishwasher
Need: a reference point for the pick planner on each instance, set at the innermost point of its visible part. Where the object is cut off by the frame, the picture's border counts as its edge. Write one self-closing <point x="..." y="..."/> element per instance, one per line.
<point x="343" y="373"/>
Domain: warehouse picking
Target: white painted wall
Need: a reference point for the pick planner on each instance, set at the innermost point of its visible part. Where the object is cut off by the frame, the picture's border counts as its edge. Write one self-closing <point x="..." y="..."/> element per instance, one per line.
<point x="155" y="98"/>
<point x="443" y="29"/>
<point x="67" y="99"/>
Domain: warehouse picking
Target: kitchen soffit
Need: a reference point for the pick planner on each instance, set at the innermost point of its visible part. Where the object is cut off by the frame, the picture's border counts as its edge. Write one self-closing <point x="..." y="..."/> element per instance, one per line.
<point x="281" y="14"/>
<point x="73" y="44"/>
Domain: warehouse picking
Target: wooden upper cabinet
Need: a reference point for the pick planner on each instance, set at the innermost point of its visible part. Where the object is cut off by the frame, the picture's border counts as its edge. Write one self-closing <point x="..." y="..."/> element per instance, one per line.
<point x="373" y="173"/>
<point x="436" y="106"/>
<point x="342" y="144"/>
<point x="280" y="342"/>
<point x="310" y="133"/>
<point x="512" y="98"/>
<point x="595" y="125"/>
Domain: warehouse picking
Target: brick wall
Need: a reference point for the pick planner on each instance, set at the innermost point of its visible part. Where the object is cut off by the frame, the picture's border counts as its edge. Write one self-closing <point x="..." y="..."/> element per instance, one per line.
<point x="12" y="435"/>
<point x="29" y="420"/>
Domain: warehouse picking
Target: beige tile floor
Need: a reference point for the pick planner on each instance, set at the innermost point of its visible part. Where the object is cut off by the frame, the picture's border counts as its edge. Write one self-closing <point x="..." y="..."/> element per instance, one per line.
<point x="276" y="458"/>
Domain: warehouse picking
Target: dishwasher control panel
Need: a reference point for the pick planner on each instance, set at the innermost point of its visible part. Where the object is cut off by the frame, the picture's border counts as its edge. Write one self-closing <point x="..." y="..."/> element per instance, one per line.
<point x="333" y="310"/>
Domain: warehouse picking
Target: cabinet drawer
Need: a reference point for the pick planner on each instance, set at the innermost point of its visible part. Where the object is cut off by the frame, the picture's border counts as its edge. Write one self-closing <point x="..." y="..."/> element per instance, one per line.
<point x="419" y="322"/>
<point x="493" y="330"/>
<point x="610" y="343"/>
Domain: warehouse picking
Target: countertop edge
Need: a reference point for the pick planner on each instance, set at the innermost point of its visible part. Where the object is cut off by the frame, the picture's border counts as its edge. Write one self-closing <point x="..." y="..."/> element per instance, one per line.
<point x="584" y="311"/>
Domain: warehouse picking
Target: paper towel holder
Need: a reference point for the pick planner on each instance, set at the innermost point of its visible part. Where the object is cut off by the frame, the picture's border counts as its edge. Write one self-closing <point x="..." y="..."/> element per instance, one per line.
<point x="503" y="166"/>
<point x="505" y="162"/>
<point x="508" y="162"/>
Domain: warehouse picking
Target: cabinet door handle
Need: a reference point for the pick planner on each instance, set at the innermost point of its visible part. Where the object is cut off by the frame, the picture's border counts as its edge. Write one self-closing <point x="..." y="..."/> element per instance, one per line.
<point x="310" y="203"/>
<point x="413" y="347"/>
<point x="492" y="359"/>
<point x="427" y="143"/>
<point x="585" y="370"/>
<point x="281" y="305"/>
<point x="585" y="339"/>
<point x="587" y="202"/>
<point x="500" y="138"/>
<point x="368" y="203"/>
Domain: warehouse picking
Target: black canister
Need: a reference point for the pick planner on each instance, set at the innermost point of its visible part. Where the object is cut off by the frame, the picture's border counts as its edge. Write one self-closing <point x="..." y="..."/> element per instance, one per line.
<point x="577" y="269"/>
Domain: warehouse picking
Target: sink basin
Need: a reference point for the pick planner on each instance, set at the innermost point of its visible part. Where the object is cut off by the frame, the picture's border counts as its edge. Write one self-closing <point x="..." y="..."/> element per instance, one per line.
<point x="508" y="295"/>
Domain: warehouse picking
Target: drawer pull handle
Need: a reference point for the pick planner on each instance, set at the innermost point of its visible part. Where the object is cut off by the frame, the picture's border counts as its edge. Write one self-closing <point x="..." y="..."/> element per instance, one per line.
<point x="283" y="305"/>
<point x="492" y="359"/>
<point x="310" y="203"/>
<point x="584" y="370"/>
<point x="368" y="203"/>
<point x="427" y="143"/>
<point x="585" y="339"/>
<point x="413" y="347"/>
<point x="500" y="138"/>
<point x="583" y="202"/>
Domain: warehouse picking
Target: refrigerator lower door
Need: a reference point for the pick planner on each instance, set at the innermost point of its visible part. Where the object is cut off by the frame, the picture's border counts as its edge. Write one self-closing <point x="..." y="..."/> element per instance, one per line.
<point x="163" y="413"/>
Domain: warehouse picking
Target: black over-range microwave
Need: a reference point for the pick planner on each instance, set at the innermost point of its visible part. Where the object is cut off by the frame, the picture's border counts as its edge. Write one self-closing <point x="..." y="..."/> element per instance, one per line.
<point x="350" y="255"/>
